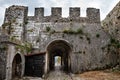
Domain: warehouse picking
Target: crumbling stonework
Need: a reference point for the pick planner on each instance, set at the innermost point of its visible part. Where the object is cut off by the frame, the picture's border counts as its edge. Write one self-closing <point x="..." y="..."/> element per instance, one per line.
<point x="111" y="23"/>
<point x="80" y="41"/>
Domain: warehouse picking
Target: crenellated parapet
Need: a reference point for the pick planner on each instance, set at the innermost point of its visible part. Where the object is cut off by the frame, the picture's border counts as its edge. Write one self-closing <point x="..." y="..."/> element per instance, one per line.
<point x="39" y="13"/>
<point x="74" y="12"/>
<point x="92" y="14"/>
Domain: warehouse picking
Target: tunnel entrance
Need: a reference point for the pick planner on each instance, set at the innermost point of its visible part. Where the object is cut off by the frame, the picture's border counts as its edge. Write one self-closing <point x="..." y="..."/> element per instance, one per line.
<point x="61" y="49"/>
<point x="16" y="66"/>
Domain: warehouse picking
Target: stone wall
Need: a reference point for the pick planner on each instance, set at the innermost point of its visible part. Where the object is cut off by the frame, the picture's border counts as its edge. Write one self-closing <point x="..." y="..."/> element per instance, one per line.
<point x="2" y="61"/>
<point x="7" y="54"/>
<point x="87" y="38"/>
<point x="3" y="56"/>
<point x="89" y="47"/>
<point x="111" y="23"/>
<point x="15" y="20"/>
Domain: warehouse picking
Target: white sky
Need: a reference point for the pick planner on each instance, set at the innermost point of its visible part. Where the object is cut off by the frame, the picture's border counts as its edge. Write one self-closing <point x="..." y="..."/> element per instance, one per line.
<point x="104" y="5"/>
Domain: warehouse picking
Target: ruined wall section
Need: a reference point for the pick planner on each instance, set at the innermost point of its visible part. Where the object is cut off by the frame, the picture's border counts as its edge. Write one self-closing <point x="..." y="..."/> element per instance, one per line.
<point x="15" y="20"/>
<point x="111" y="23"/>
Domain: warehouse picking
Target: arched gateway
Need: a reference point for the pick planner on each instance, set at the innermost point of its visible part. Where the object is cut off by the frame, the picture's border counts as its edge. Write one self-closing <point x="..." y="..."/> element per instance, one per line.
<point x="17" y="66"/>
<point x="60" y="48"/>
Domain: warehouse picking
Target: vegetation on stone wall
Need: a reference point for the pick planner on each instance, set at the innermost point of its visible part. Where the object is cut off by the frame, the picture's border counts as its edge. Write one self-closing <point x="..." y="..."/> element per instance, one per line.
<point x="6" y="24"/>
<point x="26" y="22"/>
<point x="13" y="39"/>
<point x="48" y="28"/>
<point x="70" y="31"/>
<point x="25" y="47"/>
<point x="51" y="31"/>
<point x="88" y="39"/>
<point x="3" y="47"/>
<point x="113" y="46"/>
<point x="97" y="35"/>
<point x="30" y="30"/>
<point x="115" y="43"/>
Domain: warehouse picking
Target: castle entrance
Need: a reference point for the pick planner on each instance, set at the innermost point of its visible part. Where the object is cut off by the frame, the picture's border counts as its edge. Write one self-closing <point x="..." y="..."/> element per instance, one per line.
<point x="58" y="50"/>
<point x="16" y="66"/>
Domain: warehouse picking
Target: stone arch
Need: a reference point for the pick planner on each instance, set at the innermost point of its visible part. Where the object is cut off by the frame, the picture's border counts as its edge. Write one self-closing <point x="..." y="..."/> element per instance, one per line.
<point x="11" y="58"/>
<point x="17" y="66"/>
<point x="61" y="48"/>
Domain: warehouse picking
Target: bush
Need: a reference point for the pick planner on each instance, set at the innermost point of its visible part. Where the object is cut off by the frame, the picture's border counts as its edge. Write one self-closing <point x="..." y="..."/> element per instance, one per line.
<point x="48" y="28"/>
<point x="88" y="39"/>
<point x="97" y="35"/>
<point x="79" y="31"/>
<point x="69" y="32"/>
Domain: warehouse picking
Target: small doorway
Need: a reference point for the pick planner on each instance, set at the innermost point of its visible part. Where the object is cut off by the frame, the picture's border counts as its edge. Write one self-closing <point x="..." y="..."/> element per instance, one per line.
<point x="16" y="66"/>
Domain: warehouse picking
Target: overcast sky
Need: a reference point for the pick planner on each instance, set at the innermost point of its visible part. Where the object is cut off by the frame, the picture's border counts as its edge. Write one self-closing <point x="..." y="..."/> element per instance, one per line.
<point x="104" y="5"/>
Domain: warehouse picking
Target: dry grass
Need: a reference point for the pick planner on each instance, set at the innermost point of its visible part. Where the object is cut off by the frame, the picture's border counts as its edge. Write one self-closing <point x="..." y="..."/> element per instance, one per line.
<point x="100" y="75"/>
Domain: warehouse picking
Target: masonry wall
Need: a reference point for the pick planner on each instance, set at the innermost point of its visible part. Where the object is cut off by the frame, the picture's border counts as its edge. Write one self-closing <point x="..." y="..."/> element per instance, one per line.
<point x="111" y="23"/>
<point x="88" y="40"/>
<point x="90" y="45"/>
<point x="14" y="22"/>
<point x="2" y="62"/>
<point x="89" y="50"/>
<point x="3" y="56"/>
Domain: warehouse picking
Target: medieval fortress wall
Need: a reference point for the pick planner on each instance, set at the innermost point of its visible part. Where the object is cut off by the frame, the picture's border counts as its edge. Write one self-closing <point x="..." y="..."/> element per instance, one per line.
<point x="111" y="23"/>
<point x="87" y="38"/>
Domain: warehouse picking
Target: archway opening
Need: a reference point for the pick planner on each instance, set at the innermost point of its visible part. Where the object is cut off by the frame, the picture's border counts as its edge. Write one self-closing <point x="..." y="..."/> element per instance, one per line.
<point x="59" y="48"/>
<point x="17" y="66"/>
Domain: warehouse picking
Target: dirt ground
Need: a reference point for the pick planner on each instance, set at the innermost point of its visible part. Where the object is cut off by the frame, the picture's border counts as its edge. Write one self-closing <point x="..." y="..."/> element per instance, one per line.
<point x="100" y="75"/>
<point x="91" y="75"/>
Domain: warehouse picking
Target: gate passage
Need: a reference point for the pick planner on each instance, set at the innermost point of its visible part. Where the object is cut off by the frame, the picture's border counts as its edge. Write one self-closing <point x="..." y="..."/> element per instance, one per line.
<point x="34" y="65"/>
<point x="59" y="48"/>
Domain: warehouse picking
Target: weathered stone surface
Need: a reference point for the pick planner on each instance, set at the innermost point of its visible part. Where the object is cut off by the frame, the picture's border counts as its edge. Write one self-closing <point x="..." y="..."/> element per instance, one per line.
<point x="85" y="36"/>
<point x="111" y="23"/>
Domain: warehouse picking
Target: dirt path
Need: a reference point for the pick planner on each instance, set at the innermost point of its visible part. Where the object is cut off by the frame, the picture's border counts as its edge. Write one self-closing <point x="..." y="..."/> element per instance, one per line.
<point x="57" y="74"/>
